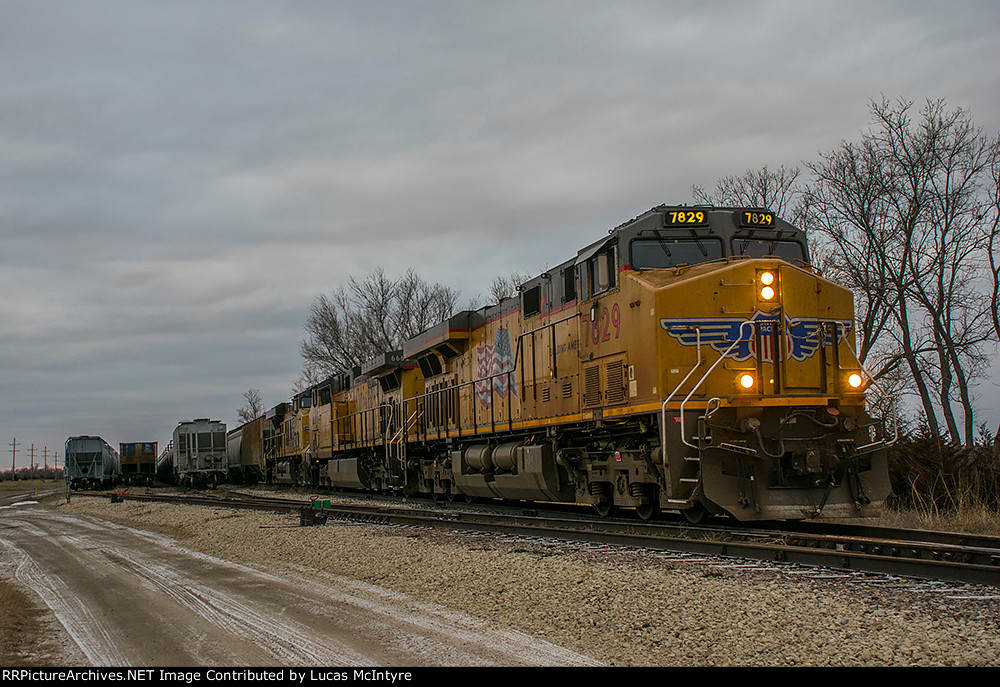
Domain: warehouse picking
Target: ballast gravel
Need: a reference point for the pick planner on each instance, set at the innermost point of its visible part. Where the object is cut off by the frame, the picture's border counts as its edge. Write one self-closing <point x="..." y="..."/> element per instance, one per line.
<point x="620" y="607"/>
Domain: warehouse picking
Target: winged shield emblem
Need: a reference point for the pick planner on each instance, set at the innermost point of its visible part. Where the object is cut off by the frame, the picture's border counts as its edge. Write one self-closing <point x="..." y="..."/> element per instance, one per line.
<point x="802" y="341"/>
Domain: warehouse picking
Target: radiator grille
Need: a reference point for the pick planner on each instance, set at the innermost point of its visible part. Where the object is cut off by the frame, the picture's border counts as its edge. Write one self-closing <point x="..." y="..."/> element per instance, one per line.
<point x="616" y="382"/>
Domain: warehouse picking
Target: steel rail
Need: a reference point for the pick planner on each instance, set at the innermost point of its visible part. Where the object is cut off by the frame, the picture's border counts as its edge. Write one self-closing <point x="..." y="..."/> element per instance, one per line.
<point x="906" y="552"/>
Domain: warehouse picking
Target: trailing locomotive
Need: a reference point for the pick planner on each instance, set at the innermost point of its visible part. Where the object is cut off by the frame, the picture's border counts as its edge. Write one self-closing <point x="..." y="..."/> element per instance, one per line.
<point x="690" y="360"/>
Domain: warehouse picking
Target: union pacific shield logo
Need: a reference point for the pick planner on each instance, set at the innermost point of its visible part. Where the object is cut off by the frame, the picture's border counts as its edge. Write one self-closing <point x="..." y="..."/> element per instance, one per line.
<point x="802" y="340"/>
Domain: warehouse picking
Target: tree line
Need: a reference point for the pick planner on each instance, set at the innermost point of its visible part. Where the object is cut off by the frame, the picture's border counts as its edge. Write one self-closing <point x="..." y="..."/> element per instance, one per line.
<point x="26" y="473"/>
<point x="907" y="218"/>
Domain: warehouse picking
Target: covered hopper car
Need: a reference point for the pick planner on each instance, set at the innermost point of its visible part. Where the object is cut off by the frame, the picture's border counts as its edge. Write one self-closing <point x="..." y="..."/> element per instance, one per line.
<point x="245" y="453"/>
<point x="91" y="463"/>
<point x="199" y="453"/>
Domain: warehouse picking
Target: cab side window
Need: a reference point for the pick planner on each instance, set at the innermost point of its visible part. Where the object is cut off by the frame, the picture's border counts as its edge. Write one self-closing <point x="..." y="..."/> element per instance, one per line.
<point x="601" y="273"/>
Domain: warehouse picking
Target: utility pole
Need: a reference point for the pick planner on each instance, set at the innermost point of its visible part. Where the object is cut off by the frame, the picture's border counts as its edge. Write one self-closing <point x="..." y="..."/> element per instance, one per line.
<point x="13" y="459"/>
<point x="31" y="452"/>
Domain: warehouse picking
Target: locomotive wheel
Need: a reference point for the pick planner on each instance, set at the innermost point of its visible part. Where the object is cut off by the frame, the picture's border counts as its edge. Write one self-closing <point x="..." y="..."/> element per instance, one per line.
<point x="604" y="501"/>
<point x="648" y="511"/>
<point x="697" y="514"/>
<point x="605" y="508"/>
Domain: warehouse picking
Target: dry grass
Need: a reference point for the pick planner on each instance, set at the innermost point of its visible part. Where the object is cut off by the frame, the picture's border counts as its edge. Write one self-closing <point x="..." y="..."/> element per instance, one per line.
<point x="29" y="486"/>
<point x="943" y="486"/>
<point x="973" y="520"/>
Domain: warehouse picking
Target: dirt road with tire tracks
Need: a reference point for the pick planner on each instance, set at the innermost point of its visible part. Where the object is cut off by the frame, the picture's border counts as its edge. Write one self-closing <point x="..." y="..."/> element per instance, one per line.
<point x="132" y="598"/>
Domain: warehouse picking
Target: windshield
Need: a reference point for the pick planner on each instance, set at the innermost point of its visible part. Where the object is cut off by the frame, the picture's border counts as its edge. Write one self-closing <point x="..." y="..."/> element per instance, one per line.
<point x="761" y="248"/>
<point x="668" y="252"/>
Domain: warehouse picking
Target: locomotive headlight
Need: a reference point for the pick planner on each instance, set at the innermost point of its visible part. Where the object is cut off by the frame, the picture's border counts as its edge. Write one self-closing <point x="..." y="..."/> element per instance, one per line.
<point x="855" y="380"/>
<point x="768" y="281"/>
<point x="747" y="381"/>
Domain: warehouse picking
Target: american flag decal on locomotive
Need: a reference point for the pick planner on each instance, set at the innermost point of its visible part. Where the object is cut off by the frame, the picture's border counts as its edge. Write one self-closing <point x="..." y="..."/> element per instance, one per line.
<point x="802" y="340"/>
<point x="494" y="360"/>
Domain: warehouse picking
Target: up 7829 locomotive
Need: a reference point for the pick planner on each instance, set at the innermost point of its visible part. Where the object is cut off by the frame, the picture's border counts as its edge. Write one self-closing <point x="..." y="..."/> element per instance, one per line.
<point x="690" y="360"/>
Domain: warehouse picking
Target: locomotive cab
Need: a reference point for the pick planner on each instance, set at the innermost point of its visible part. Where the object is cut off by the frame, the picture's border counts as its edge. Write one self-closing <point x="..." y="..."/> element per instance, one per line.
<point x="762" y="398"/>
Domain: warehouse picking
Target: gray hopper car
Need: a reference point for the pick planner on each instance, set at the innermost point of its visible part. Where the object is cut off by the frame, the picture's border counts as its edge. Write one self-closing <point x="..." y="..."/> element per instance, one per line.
<point x="91" y="463"/>
<point x="200" y="453"/>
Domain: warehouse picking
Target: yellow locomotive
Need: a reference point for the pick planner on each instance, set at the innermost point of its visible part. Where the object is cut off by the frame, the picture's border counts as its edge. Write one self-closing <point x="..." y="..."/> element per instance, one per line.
<point x="690" y="360"/>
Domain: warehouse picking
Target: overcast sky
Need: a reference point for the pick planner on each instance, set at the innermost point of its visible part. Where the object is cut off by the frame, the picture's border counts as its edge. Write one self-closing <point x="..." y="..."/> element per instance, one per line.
<point x="179" y="180"/>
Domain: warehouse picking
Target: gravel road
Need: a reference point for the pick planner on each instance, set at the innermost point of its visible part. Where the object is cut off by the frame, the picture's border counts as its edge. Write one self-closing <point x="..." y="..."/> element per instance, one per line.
<point x="132" y="598"/>
<point x="562" y="604"/>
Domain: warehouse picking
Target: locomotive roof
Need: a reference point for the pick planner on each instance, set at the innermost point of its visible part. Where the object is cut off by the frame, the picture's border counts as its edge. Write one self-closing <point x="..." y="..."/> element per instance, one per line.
<point x="660" y="221"/>
<point x="385" y="362"/>
<point x="725" y="222"/>
<point x="721" y="220"/>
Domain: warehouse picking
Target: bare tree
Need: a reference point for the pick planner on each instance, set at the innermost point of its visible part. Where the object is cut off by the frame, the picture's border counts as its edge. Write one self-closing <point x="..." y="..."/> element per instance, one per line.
<point x="253" y="408"/>
<point x="420" y="305"/>
<point x="756" y="188"/>
<point x="368" y="317"/>
<point x="310" y="376"/>
<point x="846" y="211"/>
<point x="506" y="286"/>
<point x="993" y="245"/>
<point x="905" y="216"/>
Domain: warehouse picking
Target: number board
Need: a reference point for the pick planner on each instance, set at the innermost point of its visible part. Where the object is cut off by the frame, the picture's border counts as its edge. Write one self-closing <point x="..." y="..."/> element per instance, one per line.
<point x="683" y="217"/>
<point x="756" y="218"/>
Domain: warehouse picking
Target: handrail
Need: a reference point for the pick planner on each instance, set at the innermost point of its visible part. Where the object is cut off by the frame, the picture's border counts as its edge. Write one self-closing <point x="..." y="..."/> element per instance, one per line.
<point x="448" y="389"/>
<point x="386" y="442"/>
<point x="663" y="407"/>
<point x="404" y="429"/>
<point x="490" y="379"/>
<point x="389" y="420"/>
<point x="705" y="376"/>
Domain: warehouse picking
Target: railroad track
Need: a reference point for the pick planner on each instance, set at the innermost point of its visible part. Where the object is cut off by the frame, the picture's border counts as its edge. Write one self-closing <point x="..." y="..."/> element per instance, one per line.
<point x="972" y="559"/>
